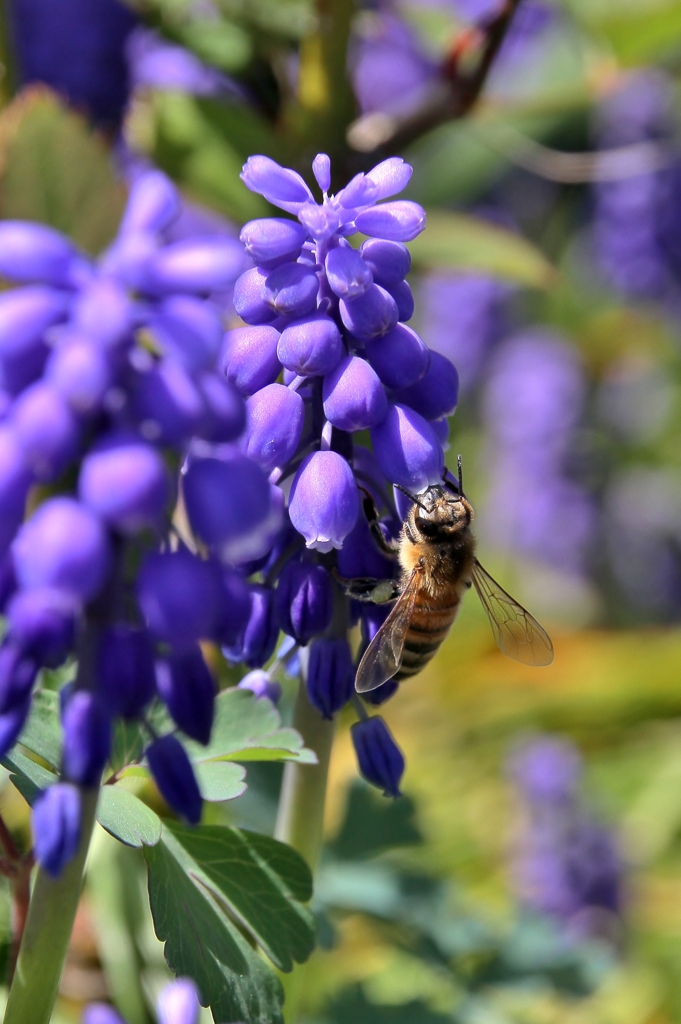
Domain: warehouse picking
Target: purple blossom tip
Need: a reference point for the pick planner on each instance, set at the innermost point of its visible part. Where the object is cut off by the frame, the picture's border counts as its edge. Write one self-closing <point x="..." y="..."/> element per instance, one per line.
<point x="275" y="417"/>
<point x="321" y="168"/>
<point x="304" y="600"/>
<point x="153" y="204"/>
<point x="187" y="688"/>
<point x="399" y="221"/>
<point x="380" y="760"/>
<point x="407" y="449"/>
<point x="281" y="186"/>
<point x="330" y="676"/>
<point x="174" y="776"/>
<point x="56" y="827"/>
<point x="324" y="502"/>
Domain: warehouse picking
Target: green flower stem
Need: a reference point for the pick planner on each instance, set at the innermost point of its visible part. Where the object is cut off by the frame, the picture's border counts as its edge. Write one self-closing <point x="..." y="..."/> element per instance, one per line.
<point x="48" y="929"/>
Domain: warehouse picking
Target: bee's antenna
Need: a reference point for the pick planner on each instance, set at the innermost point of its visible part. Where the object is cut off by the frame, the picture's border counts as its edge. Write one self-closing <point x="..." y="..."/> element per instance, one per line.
<point x="412" y="497"/>
<point x="458" y="462"/>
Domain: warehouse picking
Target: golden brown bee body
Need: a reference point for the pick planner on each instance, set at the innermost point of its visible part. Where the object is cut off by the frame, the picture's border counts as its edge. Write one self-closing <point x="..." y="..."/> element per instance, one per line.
<point x="436" y="551"/>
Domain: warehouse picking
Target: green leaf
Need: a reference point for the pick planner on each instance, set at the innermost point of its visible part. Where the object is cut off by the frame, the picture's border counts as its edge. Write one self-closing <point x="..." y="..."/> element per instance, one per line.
<point x="126" y="818"/>
<point x="54" y="169"/>
<point x="202" y="881"/>
<point x="458" y="241"/>
<point x="220" y="780"/>
<point x="29" y="777"/>
<point x="127" y="744"/>
<point x="42" y="732"/>
<point x="372" y="824"/>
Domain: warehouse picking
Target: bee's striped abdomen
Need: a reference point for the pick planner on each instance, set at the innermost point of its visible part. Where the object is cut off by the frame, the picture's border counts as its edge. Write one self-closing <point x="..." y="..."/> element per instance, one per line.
<point x="430" y="623"/>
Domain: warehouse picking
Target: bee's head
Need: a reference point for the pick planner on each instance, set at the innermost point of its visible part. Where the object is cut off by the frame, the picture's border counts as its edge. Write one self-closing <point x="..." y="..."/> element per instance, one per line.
<point x="438" y="511"/>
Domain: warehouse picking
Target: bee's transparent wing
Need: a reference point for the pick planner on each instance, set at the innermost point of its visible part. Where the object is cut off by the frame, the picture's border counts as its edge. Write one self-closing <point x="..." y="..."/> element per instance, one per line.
<point x="517" y="634"/>
<point x="383" y="656"/>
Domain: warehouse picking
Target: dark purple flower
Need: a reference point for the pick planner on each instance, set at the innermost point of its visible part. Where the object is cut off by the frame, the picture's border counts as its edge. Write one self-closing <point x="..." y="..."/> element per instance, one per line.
<point x="370" y="314"/>
<point x="224" y="415"/>
<point x="234" y="608"/>
<point x="259" y="638"/>
<point x="291" y="289"/>
<point x="304" y="600"/>
<point x="389" y="262"/>
<point x="25" y="315"/>
<point x="179" y="596"/>
<point x="42" y="624"/>
<point x="354" y="398"/>
<point x="15" y="480"/>
<point x="249" y="297"/>
<point x="249" y="358"/>
<point x="46" y="428"/>
<point x="436" y="393"/>
<point x="275" y="417"/>
<point x="399" y="358"/>
<point x="311" y="346"/>
<point x="187" y="688"/>
<point x="330" y="675"/>
<point x="407" y="449"/>
<point x="380" y="760"/>
<point x="324" y="502"/>
<point x="175" y="778"/>
<point x="56" y="827"/>
<point x="17" y="675"/>
<point x="189" y="329"/>
<point x="228" y="502"/>
<point x="11" y="724"/>
<point x="347" y="273"/>
<point x="87" y="738"/>
<point x="166" y="403"/>
<point x="125" y="670"/>
<point x="125" y="481"/>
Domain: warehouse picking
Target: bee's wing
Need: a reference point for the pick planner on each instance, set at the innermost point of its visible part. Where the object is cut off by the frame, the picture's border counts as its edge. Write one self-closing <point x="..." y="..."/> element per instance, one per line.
<point x="383" y="656"/>
<point x="517" y="634"/>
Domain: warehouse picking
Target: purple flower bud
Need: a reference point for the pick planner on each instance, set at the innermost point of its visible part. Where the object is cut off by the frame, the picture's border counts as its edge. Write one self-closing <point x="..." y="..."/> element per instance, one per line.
<point x="189" y="329"/>
<point x="437" y="392"/>
<point x="56" y="827"/>
<point x="153" y="204"/>
<point x="259" y="683"/>
<point x="402" y="295"/>
<point x="178" y="1003"/>
<point x="361" y="556"/>
<point x="320" y="222"/>
<point x="25" y="314"/>
<point x="42" y="624"/>
<point x="390" y="177"/>
<point x="225" y="411"/>
<point x="34" y="252"/>
<point x="281" y="186"/>
<point x="125" y="671"/>
<point x="174" y="776"/>
<point x="101" y="1013"/>
<point x="380" y="760"/>
<point x="103" y="312"/>
<point x="400" y="357"/>
<point x="129" y="261"/>
<point x="273" y="240"/>
<point x="179" y="596"/>
<point x="125" y="481"/>
<point x="226" y="500"/>
<point x="11" y="724"/>
<point x="15" y="479"/>
<point x="186" y="686"/>
<point x="354" y="398"/>
<point x="321" y="168"/>
<point x="304" y="601"/>
<point x="330" y="676"/>
<point x="291" y="289"/>
<point x="389" y="262"/>
<point x="275" y="417"/>
<point x="234" y="608"/>
<point x="63" y="545"/>
<point x="441" y="428"/>
<point x="8" y="580"/>
<point x="347" y="273"/>
<point x="87" y="738"/>
<point x="311" y="346"/>
<point x="81" y="371"/>
<point x="259" y="638"/>
<point x="371" y="314"/>
<point x="398" y="222"/>
<point x="249" y="358"/>
<point x="324" y="503"/>
<point x="249" y="300"/>
<point x="407" y="449"/>
<point x="47" y="430"/>
<point x="17" y="676"/>
<point x="381" y="693"/>
<point x="166" y="403"/>
<point x="196" y="265"/>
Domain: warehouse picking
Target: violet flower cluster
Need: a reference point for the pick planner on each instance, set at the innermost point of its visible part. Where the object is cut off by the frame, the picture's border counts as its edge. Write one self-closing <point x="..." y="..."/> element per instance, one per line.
<point x="108" y="384"/>
<point x="178" y="1003"/>
<point x="328" y="365"/>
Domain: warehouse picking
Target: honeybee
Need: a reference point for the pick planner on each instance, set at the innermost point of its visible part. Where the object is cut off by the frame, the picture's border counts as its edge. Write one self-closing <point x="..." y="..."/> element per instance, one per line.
<point x="436" y="552"/>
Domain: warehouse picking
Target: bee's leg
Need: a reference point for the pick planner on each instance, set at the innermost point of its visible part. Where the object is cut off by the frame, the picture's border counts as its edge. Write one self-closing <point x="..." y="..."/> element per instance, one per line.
<point x="369" y="589"/>
<point x="387" y="547"/>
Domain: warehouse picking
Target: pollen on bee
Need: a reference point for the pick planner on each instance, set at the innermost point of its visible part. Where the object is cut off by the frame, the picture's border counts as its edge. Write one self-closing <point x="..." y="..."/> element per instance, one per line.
<point x="383" y="592"/>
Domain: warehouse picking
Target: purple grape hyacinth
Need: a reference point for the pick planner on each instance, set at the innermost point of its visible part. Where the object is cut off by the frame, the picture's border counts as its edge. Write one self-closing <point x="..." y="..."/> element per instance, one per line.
<point x="178" y="1003"/>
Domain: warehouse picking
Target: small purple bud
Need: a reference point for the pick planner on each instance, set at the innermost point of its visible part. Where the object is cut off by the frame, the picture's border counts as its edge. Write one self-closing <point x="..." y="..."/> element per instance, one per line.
<point x="281" y="186"/>
<point x="347" y="273"/>
<point x="56" y="827"/>
<point x="390" y="262"/>
<point x="324" y="502"/>
<point x="188" y="329"/>
<point x="380" y="760"/>
<point x="249" y="300"/>
<point x="249" y="358"/>
<point x="153" y="204"/>
<point x="311" y="346"/>
<point x="42" y="624"/>
<point x="15" y="480"/>
<point x="259" y="683"/>
<point x="17" y="676"/>
<point x="47" y="430"/>
<point x="257" y="643"/>
<point x="25" y="314"/>
<point x="125" y="481"/>
<point x="275" y="417"/>
<point x="360" y="191"/>
<point x="437" y="392"/>
<point x="303" y="601"/>
<point x="101" y="1013"/>
<point x="103" y="312"/>
<point x="174" y="776"/>
<point x="179" y="596"/>
<point x="80" y="370"/>
<point x="11" y="725"/>
<point x="273" y="240"/>
<point x="320" y="222"/>
<point x="226" y="501"/>
<point x="404" y="298"/>
<point x="167" y="403"/>
<point x="187" y="688"/>
<point x="400" y="357"/>
<point x="353" y="395"/>
<point x="34" y="252"/>
<point x="225" y="410"/>
<point x="390" y="177"/>
<point x="398" y="222"/>
<point x="129" y="260"/>
<point x="291" y="289"/>
<point x="63" y="545"/>
<point x="87" y="739"/>
<point x="178" y="1003"/>
<point x="371" y="314"/>
<point x="321" y="168"/>
<point x="330" y="676"/>
<point x="407" y="449"/>
<point x="125" y="671"/>
<point x="234" y="608"/>
<point x="196" y="265"/>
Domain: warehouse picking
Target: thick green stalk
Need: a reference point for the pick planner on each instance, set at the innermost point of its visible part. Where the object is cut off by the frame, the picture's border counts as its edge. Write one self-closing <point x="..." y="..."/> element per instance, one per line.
<point x="48" y="929"/>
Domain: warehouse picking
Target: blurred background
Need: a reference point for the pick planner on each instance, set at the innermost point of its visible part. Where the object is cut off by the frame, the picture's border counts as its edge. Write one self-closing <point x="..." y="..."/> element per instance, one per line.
<point x="532" y="871"/>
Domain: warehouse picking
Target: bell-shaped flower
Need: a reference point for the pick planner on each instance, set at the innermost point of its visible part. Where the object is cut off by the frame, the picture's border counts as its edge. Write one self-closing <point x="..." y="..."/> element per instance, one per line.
<point x="25" y="315"/>
<point x="330" y="676"/>
<point x="234" y="609"/>
<point x="42" y="624"/>
<point x="166" y="403"/>
<point x="196" y="265"/>
<point x="435" y="395"/>
<point x="17" y="675"/>
<point x="249" y="358"/>
<point x="274" y="423"/>
<point x="56" y="827"/>
<point x="407" y="449"/>
<point x="258" y="640"/>
<point x="390" y="177"/>
<point x="189" y="329"/>
<point x="324" y="502"/>
<point x="153" y="204"/>
<point x="248" y="298"/>
<point x="311" y="346"/>
<point x="226" y="501"/>
<point x="35" y="252"/>
<point x="124" y="480"/>
<point x="87" y="738"/>
<point x="174" y="776"/>
<point x="371" y="314"/>
<point x="178" y="1003"/>
<point x="380" y="760"/>
<point x="291" y="289"/>
<point x="281" y="186"/>
<point x="273" y="240"/>
<point x="62" y="545"/>
<point x="399" y="221"/>
<point x="187" y="688"/>
<point x="347" y="273"/>
<point x="81" y="371"/>
<point x="46" y="428"/>
<point x="304" y="600"/>
<point x="260" y="684"/>
<point x="179" y="595"/>
<point x="125" y="670"/>
<point x="224" y="416"/>
<point x="389" y="262"/>
<point x="400" y="357"/>
<point x="354" y="398"/>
